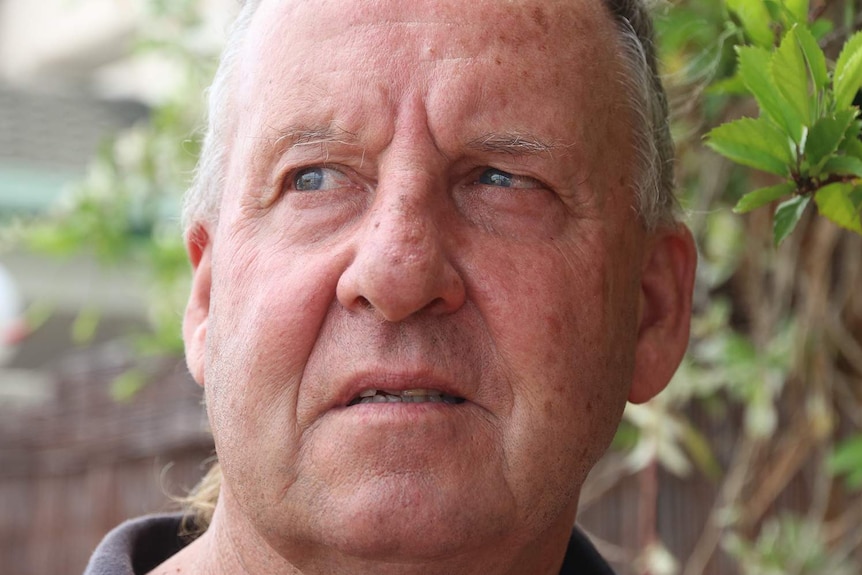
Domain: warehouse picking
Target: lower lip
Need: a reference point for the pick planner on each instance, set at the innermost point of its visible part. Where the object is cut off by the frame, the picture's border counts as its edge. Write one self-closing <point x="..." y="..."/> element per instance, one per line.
<point x="401" y="411"/>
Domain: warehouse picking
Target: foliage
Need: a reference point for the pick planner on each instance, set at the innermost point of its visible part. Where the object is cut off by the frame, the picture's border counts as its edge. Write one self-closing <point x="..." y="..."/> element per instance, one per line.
<point x="788" y="544"/>
<point x="807" y="131"/>
<point x="125" y="211"/>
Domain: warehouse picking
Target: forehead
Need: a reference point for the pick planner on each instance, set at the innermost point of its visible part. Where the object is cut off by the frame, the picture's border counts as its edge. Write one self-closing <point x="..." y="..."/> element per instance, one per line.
<point x="545" y="67"/>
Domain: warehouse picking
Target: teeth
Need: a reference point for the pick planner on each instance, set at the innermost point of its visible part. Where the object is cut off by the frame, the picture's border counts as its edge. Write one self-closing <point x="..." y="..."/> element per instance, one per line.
<point x="415" y="392"/>
<point x="406" y="396"/>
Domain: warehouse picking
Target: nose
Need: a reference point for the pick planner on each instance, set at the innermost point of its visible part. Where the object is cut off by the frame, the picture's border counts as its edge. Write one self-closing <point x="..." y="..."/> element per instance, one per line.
<point x="401" y="266"/>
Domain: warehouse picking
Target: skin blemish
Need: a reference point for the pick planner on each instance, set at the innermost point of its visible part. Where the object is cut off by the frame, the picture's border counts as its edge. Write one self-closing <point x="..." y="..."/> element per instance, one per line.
<point x="540" y="18"/>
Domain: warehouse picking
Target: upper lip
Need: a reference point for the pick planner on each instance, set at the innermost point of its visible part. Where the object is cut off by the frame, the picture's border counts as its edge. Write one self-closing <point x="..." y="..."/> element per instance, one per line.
<point x="395" y="382"/>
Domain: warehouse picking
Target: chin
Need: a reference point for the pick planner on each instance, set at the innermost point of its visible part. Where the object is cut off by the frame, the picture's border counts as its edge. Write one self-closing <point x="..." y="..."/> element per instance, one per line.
<point x="405" y="521"/>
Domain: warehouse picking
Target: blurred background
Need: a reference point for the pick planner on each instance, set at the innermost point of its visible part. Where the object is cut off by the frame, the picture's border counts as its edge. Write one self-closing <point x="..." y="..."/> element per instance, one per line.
<point x="81" y="446"/>
<point x="749" y="464"/>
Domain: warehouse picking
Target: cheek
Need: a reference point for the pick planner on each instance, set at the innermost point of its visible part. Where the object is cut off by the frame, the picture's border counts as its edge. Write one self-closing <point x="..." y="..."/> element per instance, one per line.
<point x="553" y="322"/>
<point x="259" y="340"/>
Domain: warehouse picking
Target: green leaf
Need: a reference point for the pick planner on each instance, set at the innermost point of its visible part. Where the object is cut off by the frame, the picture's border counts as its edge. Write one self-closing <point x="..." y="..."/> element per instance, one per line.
<point x="697" y="446"/>
<point x="85" y="325"/>
<point x="847" y="460"/>
<point x="763" y="196"/>
<point x="798" y="8"/>
<point x="814" y="56"/>
<point x="826" y="135"/>
<point x="821" y="27"/>
<point x="755" y="20"/>
<point x="127" y="384"/>
<point x="787" y="216"/>
<point x="791" y="76"/>
<point x="755" y="70"/>
<point x="754" y="143"/>
<point x="853" y="130"/>
<point x="843" y="166"/>
<point x="728" y="86"/>
<point x="840" y="203"/>
<point x="852" y="147"/>
<point x="848" y="72"/>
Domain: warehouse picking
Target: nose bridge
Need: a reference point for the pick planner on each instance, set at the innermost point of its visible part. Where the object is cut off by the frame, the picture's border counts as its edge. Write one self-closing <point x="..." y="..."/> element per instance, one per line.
<point x="404" y="218"/>
<point x="401" y="265"/>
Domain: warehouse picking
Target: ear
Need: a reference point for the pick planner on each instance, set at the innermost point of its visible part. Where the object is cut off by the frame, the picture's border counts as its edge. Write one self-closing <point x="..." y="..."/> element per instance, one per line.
<point x="199" y="248"/>
<point x="667" y="282"/>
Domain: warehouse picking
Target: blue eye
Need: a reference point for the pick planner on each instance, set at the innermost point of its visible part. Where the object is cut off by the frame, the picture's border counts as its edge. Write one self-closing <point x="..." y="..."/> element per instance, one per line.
<point x="317" y="179"/>
<point x="492" y="177"/>
<point x="308" y="180"/>
<point x="500" y="179"/>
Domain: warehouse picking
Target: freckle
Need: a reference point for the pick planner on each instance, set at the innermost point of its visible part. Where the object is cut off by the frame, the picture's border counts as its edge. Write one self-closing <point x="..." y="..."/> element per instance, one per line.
<point x="549" y="407"/>
<point x="589" y="407"/>
<point x="376" y="225"/>
<point x="539" y="18"/>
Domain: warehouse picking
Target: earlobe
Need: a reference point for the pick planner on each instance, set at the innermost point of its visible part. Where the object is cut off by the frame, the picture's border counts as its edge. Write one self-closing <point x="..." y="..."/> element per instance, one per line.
<point x="667" y="282"/>
<point x="196" y="315"/>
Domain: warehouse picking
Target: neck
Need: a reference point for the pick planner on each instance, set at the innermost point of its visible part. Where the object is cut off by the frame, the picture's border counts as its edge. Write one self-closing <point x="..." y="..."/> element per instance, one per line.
<point x="232" y="545"/>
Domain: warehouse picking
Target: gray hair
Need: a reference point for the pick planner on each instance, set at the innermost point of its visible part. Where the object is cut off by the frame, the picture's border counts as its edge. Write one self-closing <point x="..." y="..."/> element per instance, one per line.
<point x="640" y="81"/>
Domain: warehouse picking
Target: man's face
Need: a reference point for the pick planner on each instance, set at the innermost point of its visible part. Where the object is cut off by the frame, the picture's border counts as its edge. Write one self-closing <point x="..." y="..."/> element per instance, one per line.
<point x="423" y="199"/>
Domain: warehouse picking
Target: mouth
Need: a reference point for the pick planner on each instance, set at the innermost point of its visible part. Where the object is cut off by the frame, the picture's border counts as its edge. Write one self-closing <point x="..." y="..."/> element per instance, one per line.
<point x="404" y="396"/>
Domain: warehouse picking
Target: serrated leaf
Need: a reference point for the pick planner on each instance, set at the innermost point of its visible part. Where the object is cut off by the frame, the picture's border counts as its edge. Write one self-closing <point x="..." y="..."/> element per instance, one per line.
<point x="763" y="196"/>
<point x="787" y="216"/>
<point x="853" y="130"/>
<point x="848" y="72"/>
<point x="756" y="73"/>
<point x="755" y="20"/>
<point x="754" y="143"/>
<point x="826" y="135"/>
<point x="852" y="147"/>
<point x="791" y="76"/>
<point x="836" y="202"/>
<point x="843" y="166"/>
<point x="814" y="56"/>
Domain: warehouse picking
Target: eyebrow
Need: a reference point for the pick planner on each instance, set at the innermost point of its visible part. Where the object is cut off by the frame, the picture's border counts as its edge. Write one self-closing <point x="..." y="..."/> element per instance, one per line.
<point x="513" y="144"/>
<point x="300" y="135"/>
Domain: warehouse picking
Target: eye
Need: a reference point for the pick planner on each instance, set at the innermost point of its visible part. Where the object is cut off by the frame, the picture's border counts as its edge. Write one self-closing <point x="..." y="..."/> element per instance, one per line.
<point x="501" y="179"/>
<point x="318" y="179"/>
